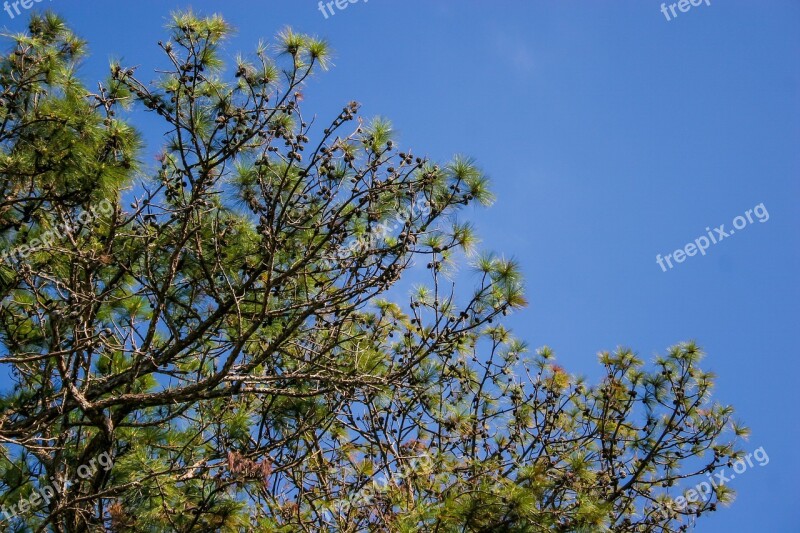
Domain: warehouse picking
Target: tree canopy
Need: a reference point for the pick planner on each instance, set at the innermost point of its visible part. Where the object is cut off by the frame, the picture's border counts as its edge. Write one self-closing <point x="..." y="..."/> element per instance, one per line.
<point x="224" y="339"/>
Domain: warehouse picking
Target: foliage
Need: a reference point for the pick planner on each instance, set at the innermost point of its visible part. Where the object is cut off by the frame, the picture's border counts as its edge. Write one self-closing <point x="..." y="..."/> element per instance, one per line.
<point x="232" y="332"/>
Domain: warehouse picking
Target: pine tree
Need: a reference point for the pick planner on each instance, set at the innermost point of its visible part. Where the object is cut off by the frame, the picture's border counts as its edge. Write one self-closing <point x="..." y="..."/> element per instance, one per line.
<point x="230" y="345"/>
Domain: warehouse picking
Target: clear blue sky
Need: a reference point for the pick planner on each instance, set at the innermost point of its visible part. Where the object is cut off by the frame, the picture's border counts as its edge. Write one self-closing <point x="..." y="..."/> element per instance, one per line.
<point x="611" y="135"/>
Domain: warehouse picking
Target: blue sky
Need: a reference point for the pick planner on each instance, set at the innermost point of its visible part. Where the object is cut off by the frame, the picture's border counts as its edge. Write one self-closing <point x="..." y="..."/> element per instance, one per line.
<point x="612" y="135"/>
